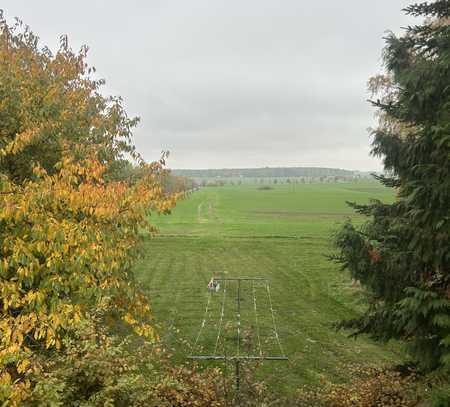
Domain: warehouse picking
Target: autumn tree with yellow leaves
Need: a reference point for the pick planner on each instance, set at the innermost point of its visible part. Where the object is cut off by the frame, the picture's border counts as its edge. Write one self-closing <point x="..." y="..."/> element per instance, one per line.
<point x="73" y="325"/>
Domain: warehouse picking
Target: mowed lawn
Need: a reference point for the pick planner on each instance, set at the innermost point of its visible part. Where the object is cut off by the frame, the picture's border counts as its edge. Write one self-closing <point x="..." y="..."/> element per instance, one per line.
<point x="283" y="235"/>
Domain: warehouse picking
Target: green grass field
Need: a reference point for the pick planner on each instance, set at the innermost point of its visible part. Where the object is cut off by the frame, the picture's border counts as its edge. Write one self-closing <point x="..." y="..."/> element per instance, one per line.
<point x="282" y="235"/>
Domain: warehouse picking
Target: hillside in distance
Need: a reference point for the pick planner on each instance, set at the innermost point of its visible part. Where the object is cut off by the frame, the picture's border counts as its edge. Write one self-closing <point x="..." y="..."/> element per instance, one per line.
<point x="269" y="172"/>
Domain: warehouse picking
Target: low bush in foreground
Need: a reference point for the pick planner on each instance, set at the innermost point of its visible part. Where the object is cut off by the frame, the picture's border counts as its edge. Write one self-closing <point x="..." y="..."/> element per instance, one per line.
<point x="97" y="369"/>
<point x="379" y="387"/>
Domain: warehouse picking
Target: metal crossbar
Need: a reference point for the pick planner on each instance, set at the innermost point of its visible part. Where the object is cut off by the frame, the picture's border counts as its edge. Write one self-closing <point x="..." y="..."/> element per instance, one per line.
<point x="212" y="357"/>
<point x="240" y="279"/>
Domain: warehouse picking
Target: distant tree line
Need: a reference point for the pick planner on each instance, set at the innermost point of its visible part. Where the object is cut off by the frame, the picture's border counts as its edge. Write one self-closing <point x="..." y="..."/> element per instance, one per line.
<point x="267" y="172"/>
<point x="220" y="182"/>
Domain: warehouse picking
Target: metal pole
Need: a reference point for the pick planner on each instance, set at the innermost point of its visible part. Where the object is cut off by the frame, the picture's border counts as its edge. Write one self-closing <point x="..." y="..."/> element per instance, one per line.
<point x="238" y="383"/>
<point x="238" y="363"/>
<point x="238" y="316"/>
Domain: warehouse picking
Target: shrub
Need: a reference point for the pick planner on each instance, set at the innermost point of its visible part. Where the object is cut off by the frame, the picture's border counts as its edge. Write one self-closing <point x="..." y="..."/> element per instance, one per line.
<point x="369" y="387"/>
<point x="97" y="369"/>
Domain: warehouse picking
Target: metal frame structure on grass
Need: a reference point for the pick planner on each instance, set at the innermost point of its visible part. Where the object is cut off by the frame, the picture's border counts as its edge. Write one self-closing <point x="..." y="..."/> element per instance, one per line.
<point x="238" y="357"/>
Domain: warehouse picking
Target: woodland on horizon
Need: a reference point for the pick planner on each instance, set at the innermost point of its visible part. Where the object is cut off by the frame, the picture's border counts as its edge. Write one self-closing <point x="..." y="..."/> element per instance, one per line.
<point x="267" y="172"/>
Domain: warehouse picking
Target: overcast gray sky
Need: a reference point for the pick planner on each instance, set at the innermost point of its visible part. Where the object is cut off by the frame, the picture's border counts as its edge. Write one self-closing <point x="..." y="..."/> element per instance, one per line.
<point x="227" y="83"/>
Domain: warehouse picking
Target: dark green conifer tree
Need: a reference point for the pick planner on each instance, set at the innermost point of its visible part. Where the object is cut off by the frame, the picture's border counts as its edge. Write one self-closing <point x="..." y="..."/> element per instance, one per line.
<point x="402" y="254"/>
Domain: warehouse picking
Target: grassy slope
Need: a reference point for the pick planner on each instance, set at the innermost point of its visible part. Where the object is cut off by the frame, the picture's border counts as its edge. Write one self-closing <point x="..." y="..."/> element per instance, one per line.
<point x="281" y="234"/>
